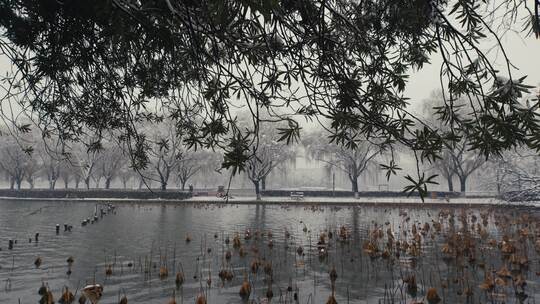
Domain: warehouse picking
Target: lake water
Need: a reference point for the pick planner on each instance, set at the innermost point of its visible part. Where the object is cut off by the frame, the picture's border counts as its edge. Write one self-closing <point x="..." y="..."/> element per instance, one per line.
<point x="134" y="241"/>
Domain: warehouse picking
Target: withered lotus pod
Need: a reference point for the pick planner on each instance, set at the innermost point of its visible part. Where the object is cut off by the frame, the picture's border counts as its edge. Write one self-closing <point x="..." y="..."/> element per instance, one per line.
<point x="93" y="292"/>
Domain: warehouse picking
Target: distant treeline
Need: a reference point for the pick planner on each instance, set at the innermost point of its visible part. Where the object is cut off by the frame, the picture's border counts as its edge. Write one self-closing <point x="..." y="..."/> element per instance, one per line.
<point x="94" y="193"/>
<point x="178" y="194"/>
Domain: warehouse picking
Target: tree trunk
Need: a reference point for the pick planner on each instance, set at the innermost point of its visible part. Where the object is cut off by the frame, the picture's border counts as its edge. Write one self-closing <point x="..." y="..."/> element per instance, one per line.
<point x="183" y="182"/>
<point x="107" y="183"/>
<point x="463" y="182"/>
<point x="164" y="179"/>
<point x="19" y="182"/>
<point x="11" y="183"/>
<point x="66" y="183"/>
<point x="450" y="184"/>
<point x="124" y="183"/>
<point x="263" y="183"/>
<point x="354" y="183"/>
<point x="87" y="182"/>
<point x="257" y="190"/>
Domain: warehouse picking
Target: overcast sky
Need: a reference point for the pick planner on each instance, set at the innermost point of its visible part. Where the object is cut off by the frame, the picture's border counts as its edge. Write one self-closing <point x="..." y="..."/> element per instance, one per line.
<point x="524" y="53"/>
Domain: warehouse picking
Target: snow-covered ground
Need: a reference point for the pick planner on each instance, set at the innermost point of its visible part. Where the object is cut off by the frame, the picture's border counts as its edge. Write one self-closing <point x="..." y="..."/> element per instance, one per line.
<point x="404" y="201"/>
<point x="367" y="200"/>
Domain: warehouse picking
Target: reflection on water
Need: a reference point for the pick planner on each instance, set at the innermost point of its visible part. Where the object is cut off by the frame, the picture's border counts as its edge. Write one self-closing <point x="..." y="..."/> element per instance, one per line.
<point x="375" y="255"/>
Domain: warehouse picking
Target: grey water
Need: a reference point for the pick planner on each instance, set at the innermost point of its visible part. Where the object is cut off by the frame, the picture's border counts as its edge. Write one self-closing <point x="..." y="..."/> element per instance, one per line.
<point x="136" y="240"/>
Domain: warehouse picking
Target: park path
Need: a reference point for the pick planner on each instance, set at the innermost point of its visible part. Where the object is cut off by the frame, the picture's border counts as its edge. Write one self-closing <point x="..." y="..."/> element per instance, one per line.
<point x="306" y="201"/>
<point x="404" y="201"/>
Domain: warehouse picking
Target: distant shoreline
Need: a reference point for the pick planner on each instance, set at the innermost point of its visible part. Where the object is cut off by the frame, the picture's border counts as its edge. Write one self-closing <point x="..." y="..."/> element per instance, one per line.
<point x="177" y="194"/>
<point x="269" y="197"/>
<point x="109" y="194"/>
<point x="306" y="202"/>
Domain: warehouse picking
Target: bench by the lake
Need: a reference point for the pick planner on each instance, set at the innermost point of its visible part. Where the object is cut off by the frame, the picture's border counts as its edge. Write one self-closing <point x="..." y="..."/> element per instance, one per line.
<point x="297" y="195"/>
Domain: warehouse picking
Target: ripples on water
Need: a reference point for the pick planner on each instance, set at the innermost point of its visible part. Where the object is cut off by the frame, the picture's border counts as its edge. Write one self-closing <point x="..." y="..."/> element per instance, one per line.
<point x="150" y="236"/>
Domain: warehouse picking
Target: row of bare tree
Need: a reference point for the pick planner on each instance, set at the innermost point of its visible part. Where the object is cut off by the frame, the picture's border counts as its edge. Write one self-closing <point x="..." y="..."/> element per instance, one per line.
<point x="81" y="165"/>
<point x="85" y="165"/>
<point x="171" y="161"/>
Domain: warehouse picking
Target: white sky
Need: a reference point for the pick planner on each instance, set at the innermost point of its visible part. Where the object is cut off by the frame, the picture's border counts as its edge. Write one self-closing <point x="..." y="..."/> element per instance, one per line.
<point x="524" y="53"/>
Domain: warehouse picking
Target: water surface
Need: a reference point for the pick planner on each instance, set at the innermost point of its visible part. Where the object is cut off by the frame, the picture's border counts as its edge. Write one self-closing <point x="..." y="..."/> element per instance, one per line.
<point x="136" y="240"/>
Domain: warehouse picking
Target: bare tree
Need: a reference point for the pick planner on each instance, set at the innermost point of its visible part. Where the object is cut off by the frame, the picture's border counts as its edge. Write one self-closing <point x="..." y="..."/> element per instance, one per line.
<point x="465" y="162"/>
<point x="195" y="162"/>
<point x="495" y="173"/>
<point x="125" y="173"/>
<point x="51" y="163"/>
<point x="210" y="172"/>
<point x="31" y="170"/>
<point x="459" y="161"/>
<point x="266" y="155"/>
<point x="13" y="162"/>
<point x="353" y="160"/>
<point x="70" y="170"/>
<point x="85" y="160"/>
<point x="77" y="179"/>
<point x="457" y="158"/>
<point x="110" y="162"/>
<point x="186" y="171"/>
<point x="51" y="168"/>
<point x="66" y="172"/>
<point x="191" y="163"/>
<point x="516" y="174"/>
<point x="445" y="166"/>
<point x="167" y="152"/>
<point x="96" y="176"/>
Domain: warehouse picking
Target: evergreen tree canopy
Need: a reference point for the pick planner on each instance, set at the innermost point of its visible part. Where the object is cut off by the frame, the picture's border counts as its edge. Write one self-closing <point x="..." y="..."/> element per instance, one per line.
<point x="108" y="65"/>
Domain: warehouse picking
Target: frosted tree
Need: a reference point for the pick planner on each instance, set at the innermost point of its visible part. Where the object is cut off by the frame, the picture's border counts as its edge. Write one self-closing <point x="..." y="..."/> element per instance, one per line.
<point x="353" y="160"/>
<point x="52" y="156"/>
<point x="167" y="152"/>
<point x="84" y="159"/>
<point x="264" y="155"/>
<point x="110" y="163"/>
<point x="18" y="158"/>
<point x="457" y="157"/>
<point x="13" y="162"/>
<point x="195" y="162"/>
<point x="515" y="175"/>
